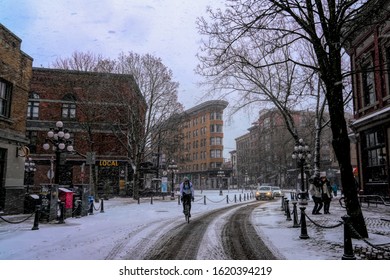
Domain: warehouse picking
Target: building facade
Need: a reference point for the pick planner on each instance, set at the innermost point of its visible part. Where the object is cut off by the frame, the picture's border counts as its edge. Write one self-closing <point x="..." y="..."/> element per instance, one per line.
<point x="199" y="146"/>
<point x="264" y="153"/>
<point x="369" y="50"/>
<point x="95" y="109"/>
<point x="15" y="75"/>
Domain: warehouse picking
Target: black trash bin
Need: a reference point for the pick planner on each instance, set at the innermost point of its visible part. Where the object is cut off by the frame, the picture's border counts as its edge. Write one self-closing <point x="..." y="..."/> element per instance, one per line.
<point x="30" y="203"/>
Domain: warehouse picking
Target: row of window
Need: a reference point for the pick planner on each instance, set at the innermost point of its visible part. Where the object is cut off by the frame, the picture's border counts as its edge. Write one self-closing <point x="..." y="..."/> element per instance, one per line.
<point x="201" y="167"/>
<point x="213" y="128"/>
<point x="367" y="77"/>
<point x="202" y="119"/>
<point x="203" y="155"/>
<point x="68" y="109"/>
<point x="202" y="143"/>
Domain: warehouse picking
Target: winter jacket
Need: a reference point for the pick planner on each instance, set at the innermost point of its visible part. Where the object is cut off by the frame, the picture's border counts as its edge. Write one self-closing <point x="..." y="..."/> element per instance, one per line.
<point x="314" y="190"/>
<point x="186" y="189"/>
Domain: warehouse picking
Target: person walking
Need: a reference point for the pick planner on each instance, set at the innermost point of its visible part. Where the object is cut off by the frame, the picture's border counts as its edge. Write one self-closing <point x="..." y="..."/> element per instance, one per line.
<point x="315" y="192"/>
<point x="335" y="189"/>
<point x="326" y="193"/>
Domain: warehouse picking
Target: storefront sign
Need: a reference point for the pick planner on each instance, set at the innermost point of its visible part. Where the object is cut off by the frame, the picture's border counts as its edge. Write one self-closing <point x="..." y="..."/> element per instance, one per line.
<point x="108" y="163"/>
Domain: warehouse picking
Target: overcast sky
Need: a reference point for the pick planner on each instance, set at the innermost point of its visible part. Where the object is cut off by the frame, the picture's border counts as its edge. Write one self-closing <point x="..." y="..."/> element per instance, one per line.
<point x="164" y="28"/>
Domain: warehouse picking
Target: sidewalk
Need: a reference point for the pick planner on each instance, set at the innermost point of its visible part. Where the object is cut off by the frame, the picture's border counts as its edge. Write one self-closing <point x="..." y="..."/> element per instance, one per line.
<point x="325" y="232"/>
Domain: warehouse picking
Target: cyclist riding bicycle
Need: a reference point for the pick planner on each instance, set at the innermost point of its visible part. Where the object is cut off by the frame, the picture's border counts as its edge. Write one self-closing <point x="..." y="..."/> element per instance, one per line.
<point x="186" y="193"/>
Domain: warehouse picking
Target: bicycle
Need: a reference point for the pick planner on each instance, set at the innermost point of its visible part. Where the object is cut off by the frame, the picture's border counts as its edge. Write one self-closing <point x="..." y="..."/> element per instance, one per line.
<point x="186" y="205"/>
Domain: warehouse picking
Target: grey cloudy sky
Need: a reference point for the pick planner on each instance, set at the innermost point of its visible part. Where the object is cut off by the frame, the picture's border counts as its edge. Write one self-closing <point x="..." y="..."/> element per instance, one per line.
<point x="164" y="28"/>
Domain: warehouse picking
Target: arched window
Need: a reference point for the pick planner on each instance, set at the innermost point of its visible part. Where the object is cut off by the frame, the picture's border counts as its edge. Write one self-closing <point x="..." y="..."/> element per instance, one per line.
<point x="33" y="106"/>
<point x="69" y="106"/>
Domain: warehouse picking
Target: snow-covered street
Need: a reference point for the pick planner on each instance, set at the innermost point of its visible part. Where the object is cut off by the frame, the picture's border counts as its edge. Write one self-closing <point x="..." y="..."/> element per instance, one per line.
<point x="127" y="230"/>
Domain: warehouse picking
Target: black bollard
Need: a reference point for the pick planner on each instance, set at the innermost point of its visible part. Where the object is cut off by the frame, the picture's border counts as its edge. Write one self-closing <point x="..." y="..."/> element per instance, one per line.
<point x="348" y="250"/>
<point x="303" y="224"/>
<point x="288" y="211"/>
<point x="62" y="213"/>
<point x="285" y="206"/>
<point x="227" y="199"/>
<point x="178" y="199"/>
<point x="78" y="209"/>
<point x="240" y="197"/>
<point x="36" y="218"/>
<point x="102" y="206"/>
<point x="204" y="200"/>
<point x="235" y="198"/>
<point x="91" y="208"/>
<point x="283" y="209"/>
<point x="295" y="215"/>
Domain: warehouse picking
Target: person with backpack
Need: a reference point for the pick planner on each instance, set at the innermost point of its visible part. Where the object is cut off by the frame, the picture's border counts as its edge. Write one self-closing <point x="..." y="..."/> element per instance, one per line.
<point x="186" y="192"/>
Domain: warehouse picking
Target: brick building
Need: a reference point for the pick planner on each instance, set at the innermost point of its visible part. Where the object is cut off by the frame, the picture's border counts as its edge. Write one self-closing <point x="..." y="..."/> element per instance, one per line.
<point x="264" y="153"/>
<point x="369" y="49"/>
<point x="95" y="109"/>
<point x="15" y="75"/>
<point x="198" y="148"/>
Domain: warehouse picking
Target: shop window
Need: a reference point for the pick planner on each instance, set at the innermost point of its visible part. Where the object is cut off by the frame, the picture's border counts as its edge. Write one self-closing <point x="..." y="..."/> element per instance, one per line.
<point x="375" y="156"/>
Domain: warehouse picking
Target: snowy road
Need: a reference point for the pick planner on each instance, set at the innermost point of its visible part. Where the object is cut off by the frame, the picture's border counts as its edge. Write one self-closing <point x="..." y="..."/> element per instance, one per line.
<point x="126" y="230"/>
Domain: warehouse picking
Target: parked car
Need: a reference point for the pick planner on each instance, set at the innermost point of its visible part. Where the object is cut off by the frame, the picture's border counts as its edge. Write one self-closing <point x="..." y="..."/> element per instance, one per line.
<point x="264" y="192"/>
<point x="277" y="192"/>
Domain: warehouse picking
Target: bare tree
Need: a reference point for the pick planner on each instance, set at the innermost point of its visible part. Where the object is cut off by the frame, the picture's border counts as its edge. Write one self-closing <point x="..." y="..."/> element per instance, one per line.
<point x="155" y="82"/>
<point x="135" y="128"/>
<point x="236" y="35"/>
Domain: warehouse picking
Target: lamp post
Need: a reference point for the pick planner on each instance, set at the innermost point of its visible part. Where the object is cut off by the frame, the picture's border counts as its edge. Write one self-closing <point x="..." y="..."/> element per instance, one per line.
<point x="173" y="168"/>
<point x="59" y="138"/>
<point x="220" y="174"/>
<point x="302" y="153"/>
<point x="29" y="169"/>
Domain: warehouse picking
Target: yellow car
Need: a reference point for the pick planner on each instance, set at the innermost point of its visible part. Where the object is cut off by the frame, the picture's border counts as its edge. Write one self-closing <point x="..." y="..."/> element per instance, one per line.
<point x="264" y="192"/>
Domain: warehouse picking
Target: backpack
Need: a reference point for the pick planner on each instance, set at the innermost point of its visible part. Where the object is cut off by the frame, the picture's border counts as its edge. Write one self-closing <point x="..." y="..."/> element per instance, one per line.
<point x="187" y="188"/>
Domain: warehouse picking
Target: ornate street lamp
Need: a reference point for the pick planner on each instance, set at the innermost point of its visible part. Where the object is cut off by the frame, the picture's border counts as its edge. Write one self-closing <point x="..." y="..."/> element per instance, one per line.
<point x="59" y="138"/>
<point x="173" y="168"/>
<point x="302" y="153"/>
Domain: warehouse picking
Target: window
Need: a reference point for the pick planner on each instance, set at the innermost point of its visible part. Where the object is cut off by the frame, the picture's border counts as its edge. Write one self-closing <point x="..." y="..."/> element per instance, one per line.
<point x="215" y="141"/>
<point x="33" y="106"/>
<point x="215" y="153"/>
<point x="387" y="67"/>
<point x="215" y="116"/>
<point x="375" y="156"/>
<point x="216" y="128"/>
<point x="368" y="83"/>
<point x="5" y="98"/>
<point x="69" y="107"/>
